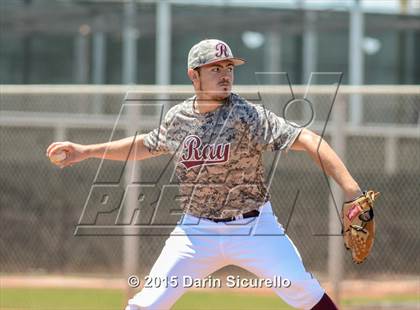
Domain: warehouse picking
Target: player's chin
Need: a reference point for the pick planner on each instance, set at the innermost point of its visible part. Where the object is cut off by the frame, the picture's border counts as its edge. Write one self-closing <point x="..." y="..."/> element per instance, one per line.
<point x="222" y="93"/>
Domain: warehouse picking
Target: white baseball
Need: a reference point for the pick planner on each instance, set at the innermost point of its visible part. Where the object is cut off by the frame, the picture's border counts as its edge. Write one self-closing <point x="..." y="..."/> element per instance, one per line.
<point x="58" y="157"/>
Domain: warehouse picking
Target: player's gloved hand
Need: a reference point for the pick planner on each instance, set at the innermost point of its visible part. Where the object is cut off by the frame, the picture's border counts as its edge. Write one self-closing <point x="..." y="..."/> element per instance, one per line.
<point x="65" y="154"/>
<point x="359" y="226"/>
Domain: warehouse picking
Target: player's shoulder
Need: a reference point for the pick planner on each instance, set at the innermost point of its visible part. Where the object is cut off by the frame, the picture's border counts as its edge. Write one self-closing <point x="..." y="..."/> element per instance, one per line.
<point x="179" y="108"/>
<point x="244" y="108"/>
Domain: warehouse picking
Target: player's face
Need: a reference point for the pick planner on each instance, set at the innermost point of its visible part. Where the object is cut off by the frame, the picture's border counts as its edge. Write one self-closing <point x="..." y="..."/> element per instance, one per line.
<point x="216" y="79"/>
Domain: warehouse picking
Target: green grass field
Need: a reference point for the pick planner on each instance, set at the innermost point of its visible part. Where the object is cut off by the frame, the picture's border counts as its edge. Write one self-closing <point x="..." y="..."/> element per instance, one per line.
<point x="89" y="299"/>
<point x="108" y="299"/>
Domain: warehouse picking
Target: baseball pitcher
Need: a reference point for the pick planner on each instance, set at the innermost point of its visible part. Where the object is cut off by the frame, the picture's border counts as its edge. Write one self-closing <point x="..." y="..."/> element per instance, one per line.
<point x="218" y="138"/>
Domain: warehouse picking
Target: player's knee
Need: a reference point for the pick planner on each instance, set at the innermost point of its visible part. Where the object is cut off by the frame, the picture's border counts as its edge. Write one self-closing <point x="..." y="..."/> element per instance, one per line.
<point x="136" y="307"/>
<point x="147" y="305"/>
<point x="303" y="294"/>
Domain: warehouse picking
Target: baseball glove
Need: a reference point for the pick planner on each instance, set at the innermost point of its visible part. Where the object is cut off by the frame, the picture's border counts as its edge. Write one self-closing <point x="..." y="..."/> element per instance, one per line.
<point x="359" y="226"/>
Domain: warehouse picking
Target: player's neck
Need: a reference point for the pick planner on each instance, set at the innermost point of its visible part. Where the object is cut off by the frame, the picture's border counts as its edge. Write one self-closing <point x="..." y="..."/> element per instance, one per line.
<point x="205" y="105"/>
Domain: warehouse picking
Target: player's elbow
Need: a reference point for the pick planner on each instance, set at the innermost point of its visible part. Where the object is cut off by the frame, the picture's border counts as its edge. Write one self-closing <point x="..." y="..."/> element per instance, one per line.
<point x="307" y="141"/>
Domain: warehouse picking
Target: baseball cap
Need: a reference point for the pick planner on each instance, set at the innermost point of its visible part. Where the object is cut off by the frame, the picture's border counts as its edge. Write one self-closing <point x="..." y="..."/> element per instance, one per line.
<point x="209" y="51"/>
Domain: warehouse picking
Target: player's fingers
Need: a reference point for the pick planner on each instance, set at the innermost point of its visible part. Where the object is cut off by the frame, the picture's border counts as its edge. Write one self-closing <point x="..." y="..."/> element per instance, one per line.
<point x="51" y="146"/>
<point x="62" y="147"/>
<point x="63" y="163"/>
<point x="59" y="146"/>
<point x="60" y="161"/>
<point x="55" y="149"/>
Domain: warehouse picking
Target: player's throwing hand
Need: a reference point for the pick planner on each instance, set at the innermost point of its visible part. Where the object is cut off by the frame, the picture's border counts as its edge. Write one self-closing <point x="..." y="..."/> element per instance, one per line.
<point x="65" y="154"/>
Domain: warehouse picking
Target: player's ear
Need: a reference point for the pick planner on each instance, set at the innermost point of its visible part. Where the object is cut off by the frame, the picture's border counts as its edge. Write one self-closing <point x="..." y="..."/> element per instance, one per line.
<point x="192" y="74"/>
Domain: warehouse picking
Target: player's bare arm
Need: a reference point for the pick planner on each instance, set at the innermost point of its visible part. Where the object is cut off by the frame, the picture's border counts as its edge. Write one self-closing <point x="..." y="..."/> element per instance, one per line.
<point x="320" y="151"/>
<point x="124" y="149"/>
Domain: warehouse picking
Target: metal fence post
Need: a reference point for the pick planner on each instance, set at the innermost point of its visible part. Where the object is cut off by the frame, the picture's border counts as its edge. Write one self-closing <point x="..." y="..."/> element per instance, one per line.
<point x="59" y="133"/>
<point x="356" y="60"/>
<point x="335" y="243"/>
<point x="163" y="42"/>
<point x="130" y="36"/>
<point x="391" y="153"/>
<point x="131" y="243"/>
<point x="129" y="46"/>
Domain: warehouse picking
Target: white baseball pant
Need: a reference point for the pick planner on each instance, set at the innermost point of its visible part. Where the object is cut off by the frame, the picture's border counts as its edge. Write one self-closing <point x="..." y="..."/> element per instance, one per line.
<point x="198" y="247"/>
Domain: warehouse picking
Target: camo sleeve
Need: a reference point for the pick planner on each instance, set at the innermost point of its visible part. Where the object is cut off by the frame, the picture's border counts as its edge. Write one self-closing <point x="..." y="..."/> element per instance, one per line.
<point x="157" y="140"/>
<point x="272" y="132"/>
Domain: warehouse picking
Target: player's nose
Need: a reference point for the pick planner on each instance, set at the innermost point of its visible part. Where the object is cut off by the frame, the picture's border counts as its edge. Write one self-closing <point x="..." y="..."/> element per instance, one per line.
<point x="225" y="82"/>
<point x="225" y="79"/>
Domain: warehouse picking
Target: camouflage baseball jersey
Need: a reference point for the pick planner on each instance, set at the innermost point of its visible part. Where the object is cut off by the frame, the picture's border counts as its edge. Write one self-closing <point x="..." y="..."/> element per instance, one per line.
<point x="219" y="154"/>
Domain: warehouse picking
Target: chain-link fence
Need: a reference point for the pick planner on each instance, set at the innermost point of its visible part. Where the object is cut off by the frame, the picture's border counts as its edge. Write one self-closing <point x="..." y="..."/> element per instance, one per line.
<point x="41" y="205"/>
